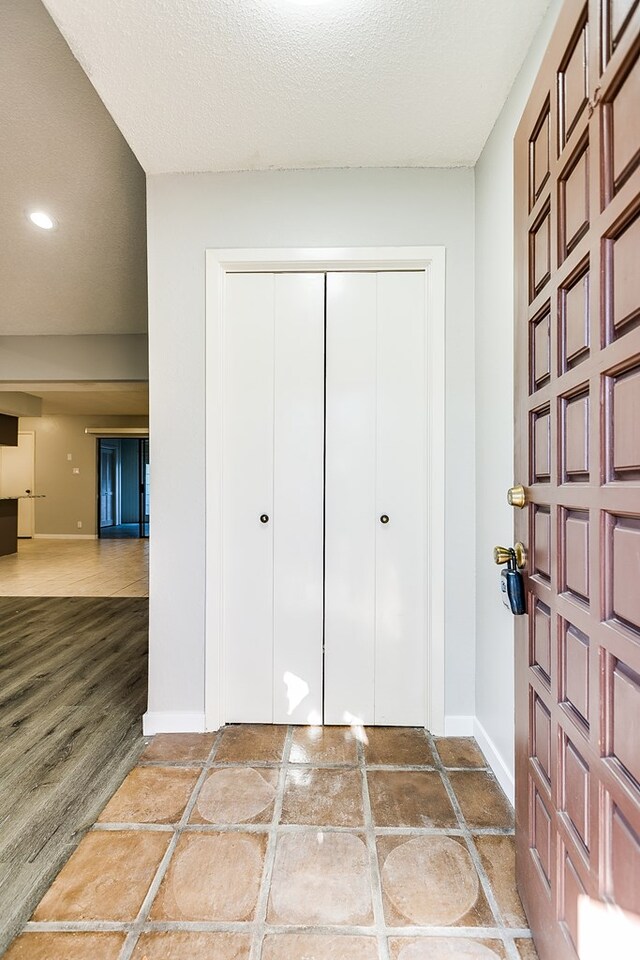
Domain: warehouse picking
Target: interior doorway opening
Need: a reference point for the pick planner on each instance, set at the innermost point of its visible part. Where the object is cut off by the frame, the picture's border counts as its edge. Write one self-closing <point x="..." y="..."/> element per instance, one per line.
<point x="123" y="488"/>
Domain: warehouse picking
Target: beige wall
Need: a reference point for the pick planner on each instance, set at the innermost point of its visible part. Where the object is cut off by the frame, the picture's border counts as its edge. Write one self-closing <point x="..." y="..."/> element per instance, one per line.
<point x="70" y="498"/>
<point x="92" y="357"/>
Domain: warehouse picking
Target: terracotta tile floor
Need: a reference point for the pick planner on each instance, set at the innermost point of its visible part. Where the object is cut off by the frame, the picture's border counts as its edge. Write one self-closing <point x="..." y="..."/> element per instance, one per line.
<point x="268" y="843"/>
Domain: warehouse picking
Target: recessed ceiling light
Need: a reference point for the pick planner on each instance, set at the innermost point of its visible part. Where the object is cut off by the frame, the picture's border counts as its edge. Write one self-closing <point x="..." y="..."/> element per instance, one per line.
<point x="42" y="220"/>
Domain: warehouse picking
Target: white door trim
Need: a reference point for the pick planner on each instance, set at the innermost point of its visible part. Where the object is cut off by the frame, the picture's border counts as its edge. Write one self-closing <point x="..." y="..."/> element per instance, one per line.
<point x="218" y="264"/>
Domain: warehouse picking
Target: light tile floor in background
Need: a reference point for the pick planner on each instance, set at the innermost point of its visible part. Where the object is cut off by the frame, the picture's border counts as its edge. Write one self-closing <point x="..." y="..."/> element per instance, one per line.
<point x="275" y="843"/>
<point x="76" y="568"/>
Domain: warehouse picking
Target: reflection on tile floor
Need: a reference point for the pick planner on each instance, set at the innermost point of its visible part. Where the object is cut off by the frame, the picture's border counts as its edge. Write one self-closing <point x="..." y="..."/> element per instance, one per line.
<point x="268" y="843"/>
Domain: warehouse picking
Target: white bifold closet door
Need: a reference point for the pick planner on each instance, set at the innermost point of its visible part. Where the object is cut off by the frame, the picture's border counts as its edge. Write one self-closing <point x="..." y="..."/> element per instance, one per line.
<point x="375" y="657"/>
<point x="273" y="468"/>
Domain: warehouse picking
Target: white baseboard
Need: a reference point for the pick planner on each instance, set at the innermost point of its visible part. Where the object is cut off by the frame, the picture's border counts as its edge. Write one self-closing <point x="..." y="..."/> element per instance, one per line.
<point x="501" y="769"/>
<point x="178" y="721"/>
<point x="64" y="536"/>
<point x="458" y="726"/>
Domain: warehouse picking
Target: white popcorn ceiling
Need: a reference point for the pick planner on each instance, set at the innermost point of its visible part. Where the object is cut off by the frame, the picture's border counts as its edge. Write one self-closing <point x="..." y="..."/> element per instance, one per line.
<point x="218" y="85"/>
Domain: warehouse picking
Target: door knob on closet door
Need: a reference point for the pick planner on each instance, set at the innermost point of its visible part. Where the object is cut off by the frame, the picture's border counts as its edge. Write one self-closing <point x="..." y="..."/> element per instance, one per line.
<point x="264" y="518"/>
<point x="384" y="518"/>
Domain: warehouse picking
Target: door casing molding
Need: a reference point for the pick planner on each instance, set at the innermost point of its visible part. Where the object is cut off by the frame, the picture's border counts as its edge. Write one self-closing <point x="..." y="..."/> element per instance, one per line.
<point x="219" y="263"/>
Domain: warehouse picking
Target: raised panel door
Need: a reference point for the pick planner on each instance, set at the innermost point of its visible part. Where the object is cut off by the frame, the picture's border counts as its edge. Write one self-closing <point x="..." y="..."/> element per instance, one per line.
<point x="578" y="657"/>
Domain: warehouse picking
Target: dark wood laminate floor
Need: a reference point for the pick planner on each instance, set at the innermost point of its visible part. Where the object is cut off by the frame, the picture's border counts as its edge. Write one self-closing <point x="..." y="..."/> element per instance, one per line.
<point x="73" y="687"/>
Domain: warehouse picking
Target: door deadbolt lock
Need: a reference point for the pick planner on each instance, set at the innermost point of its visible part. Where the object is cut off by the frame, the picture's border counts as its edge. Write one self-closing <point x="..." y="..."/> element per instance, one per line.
<point x="517" y="553"/>
<point x="517" y="496"/>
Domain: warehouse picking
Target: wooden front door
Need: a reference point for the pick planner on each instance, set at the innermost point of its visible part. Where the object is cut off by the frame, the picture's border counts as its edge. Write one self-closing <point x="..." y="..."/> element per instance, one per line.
<point x="577" y="170"/>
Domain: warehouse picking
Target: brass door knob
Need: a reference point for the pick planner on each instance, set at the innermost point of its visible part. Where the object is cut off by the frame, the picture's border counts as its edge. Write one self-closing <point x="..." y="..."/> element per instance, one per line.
<point x="517" y="496"/>
<point x="518" y="552"/>
<point x="501" y="555"/>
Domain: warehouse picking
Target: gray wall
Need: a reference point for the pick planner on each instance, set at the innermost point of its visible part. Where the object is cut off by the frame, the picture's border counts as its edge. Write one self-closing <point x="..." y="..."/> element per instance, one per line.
<point x="494" y="406"/>
<point x="62" y="149"/>
<point x="91" y="357"/>
<point x="69" y="497"/>
<point x="188" y="213"/>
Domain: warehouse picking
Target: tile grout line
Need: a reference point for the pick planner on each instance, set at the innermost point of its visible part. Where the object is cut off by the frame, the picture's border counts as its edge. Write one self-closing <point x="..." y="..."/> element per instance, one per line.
<point x="78" y="926"/>
<point x="246" y="927"/>
<point x="260" y="916"/>
<point x="132" y="938"/>
<point x="374" y="870"/>
<point x="507" y="941"/>
<point x="312" y="765"/>
<point x="294" y="828"/>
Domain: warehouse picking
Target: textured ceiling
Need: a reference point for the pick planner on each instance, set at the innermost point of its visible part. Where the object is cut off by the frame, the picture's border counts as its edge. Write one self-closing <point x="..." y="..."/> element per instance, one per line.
<point x="257" y="84"/>
<point x="62" y="152"/>
<point x="87" y="398"/>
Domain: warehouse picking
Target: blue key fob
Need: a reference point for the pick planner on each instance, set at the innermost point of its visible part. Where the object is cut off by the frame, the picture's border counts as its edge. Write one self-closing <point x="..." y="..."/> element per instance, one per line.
<point x="512" y="586"/>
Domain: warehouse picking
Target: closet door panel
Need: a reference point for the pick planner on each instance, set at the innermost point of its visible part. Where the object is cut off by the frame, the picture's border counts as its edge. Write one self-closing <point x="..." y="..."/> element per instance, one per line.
<point x="350" y="498"/>
<point x="248" y="493"/>
<point x="400" y="495"/>
<point x="298" y="498"/>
